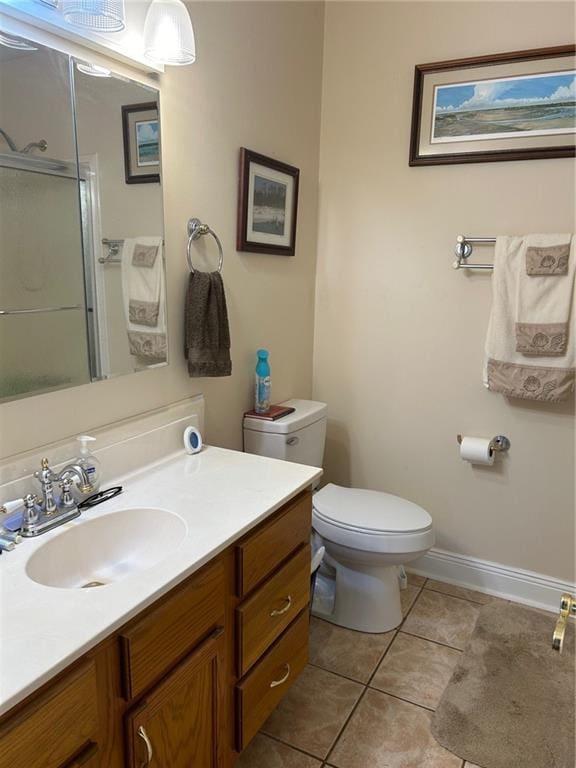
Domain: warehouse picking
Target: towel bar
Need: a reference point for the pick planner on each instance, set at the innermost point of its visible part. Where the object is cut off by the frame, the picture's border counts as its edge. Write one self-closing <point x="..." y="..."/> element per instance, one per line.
<point x="114" y="248"/>
<point x="196" y="230"/>
<point x="463" y="249"/>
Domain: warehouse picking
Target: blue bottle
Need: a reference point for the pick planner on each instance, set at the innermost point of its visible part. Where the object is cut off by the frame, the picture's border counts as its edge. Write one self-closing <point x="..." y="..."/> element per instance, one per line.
<point x="262" y="399"/>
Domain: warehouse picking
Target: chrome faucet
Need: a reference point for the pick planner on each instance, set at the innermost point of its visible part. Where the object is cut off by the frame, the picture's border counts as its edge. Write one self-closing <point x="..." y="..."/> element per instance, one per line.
<point x="43" y="514"/>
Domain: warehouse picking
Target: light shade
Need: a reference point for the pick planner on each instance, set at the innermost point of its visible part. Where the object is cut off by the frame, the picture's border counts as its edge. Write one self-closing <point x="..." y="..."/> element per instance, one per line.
<point x="94" y="70"/>
<point x="168" y="33"/>
<point x="99" y="15"/>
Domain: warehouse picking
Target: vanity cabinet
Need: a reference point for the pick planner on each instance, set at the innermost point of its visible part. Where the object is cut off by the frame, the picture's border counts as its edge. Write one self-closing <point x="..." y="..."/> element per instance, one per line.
<point x="191" y="679"/>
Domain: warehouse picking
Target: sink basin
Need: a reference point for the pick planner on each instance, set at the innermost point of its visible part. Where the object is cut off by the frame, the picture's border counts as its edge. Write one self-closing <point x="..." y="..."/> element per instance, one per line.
<point x="107" y="549"/>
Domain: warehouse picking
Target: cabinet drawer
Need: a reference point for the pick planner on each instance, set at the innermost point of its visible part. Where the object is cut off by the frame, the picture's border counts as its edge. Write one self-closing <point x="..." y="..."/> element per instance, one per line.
<point x="153" y="644"/>
<point x="264" y="616"/>
<point x="259" y="693"/>
<point x="60" y="724"/>
<point x="263" y="551"/>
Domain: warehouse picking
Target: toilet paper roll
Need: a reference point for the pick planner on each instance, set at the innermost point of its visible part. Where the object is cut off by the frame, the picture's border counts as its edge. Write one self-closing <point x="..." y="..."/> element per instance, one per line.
<point x="477" y="450"/>
<point x="192" y="440"/>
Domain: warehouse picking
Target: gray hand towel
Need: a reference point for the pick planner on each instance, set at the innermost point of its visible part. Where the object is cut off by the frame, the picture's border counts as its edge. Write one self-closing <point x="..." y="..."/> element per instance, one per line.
<point x="206" y="332"/>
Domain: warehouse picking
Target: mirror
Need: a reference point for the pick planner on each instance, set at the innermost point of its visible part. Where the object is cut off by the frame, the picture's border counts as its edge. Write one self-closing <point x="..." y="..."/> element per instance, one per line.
<point x="82" y="280"/>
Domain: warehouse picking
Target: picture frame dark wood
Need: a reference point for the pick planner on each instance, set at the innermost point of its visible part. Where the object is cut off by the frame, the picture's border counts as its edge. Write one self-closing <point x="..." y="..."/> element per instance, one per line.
<point x="133" y="173"/>
<point x="491" y="149"/>
<point x="266" y="229"/>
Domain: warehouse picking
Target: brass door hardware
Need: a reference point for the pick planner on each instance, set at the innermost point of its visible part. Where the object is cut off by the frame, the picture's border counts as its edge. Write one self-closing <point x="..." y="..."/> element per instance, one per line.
<point x="567" y="609"/>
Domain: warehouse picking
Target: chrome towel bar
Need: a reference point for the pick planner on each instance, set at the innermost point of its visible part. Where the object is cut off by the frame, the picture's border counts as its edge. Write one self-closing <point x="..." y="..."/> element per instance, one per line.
<point x="38" y="310"/>
<point x="114" y="248"/>
<point x="463" y="249"/>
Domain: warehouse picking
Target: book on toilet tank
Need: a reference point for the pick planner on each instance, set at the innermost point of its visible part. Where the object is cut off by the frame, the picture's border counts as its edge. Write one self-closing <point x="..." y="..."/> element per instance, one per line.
<point x="272" y="414"/>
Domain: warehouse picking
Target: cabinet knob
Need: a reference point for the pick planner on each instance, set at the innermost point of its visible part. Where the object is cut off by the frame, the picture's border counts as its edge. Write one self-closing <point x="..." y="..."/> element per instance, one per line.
<point x="149" y="751"/>
<point x="282" y="611"/>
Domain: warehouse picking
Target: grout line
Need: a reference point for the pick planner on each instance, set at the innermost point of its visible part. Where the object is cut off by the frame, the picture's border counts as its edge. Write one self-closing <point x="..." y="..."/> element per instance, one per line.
<point x="398" y="629"/>
<point x="457" y="597"/>
<point x="366" y="686"/>
<point x="438" y="642"/>
<point x="339" y="674"/>
<point x="429" y="640"/>
<point x="287" y="744"/>
<point x="406" y="701"/>
<point x="344" y="725"/>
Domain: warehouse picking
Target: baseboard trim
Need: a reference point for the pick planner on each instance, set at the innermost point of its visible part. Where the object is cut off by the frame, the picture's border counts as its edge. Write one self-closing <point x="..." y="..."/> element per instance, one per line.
<point x="515" y="584"/>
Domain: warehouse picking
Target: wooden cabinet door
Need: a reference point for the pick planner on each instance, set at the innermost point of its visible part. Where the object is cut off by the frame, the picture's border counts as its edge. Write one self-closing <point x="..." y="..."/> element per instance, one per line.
<point x="176" y="725"/>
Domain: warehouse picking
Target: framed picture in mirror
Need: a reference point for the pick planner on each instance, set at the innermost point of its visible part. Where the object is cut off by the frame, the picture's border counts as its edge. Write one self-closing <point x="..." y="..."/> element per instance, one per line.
<point x="267" y="205"/>
<point x="141" y="131"/>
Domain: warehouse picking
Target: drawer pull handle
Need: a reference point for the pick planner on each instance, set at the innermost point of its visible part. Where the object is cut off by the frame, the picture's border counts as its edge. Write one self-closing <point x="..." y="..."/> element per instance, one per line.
<point x="282" y="611"/>
<point x="149" y="751"/>
<point x="276" y="683"/>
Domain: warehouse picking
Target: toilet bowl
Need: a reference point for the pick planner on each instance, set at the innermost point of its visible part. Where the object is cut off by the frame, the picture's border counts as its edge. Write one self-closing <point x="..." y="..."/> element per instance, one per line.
<point x="367" y="534"/>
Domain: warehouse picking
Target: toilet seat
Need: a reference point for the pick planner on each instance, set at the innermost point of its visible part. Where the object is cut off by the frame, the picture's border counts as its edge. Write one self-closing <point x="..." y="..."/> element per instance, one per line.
<point x="371" y="521"/>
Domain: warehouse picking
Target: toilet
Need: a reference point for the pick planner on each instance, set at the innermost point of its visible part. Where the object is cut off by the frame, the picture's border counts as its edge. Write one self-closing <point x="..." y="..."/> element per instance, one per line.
<point x="367" y="534"/>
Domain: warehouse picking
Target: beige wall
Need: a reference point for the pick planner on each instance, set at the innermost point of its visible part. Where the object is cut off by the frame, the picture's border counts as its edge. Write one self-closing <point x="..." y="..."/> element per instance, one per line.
<point x="399" y="334"/>
<point x="256" y="83"/>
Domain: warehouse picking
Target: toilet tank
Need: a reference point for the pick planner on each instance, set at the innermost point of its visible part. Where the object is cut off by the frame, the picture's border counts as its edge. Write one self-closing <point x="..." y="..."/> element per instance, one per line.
<point x="299" y="436"/>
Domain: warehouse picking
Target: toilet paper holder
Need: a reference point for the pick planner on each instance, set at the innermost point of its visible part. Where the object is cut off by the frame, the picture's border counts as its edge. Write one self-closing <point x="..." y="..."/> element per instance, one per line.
<point x="499" y="443"/>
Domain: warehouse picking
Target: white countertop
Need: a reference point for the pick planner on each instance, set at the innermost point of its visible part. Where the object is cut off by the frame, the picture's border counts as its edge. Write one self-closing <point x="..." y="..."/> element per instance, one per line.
<point x="220" y="495"/>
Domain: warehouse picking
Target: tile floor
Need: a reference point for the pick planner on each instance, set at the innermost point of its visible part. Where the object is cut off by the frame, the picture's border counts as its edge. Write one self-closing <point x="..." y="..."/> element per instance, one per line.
<point x="365" y="701"/>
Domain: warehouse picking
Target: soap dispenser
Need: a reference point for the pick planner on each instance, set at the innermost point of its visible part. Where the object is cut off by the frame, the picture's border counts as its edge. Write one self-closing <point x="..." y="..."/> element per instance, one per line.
<point x="89" y="463"/>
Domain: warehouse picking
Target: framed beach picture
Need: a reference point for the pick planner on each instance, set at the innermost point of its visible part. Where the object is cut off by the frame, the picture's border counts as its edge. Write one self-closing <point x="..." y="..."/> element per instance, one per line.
<point x="510" y="106"/>
<point x="267" y="205"/>
<point x="141" y="132"/>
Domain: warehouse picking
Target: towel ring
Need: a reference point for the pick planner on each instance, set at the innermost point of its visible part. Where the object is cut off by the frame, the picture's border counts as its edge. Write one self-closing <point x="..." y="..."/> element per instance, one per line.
<point x="195" y="231"/>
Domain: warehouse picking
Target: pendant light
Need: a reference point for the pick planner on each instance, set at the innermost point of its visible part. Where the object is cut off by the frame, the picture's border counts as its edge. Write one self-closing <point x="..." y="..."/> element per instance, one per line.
<point x="98" y="15"/>
<point x="168" y="33"/>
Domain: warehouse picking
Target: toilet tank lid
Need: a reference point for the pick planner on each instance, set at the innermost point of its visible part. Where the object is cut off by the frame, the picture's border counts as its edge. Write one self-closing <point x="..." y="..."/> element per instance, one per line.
<point x="372" y="511"/>
<point x="306" y="412"/>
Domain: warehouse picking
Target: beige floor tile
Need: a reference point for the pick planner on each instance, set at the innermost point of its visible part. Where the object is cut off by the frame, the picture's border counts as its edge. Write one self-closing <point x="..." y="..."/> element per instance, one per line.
<point x="352" y="654"/>
<point x="465" y="594"/>
<point x="385" y="732"/>
<point x="407" y="598"/>
<point x="313" y="711"/>
<point x="415" y="580"/>
<point x="446" y="619"/>
<point x="264" y="752"/>
<point x="416" y="670"/>
<point x="471" y="765"/>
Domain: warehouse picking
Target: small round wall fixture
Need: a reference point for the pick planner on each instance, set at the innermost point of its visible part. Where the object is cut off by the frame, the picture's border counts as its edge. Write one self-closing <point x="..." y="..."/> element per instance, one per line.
<point x="98" y="15"/>
<point x="168" y="34"/>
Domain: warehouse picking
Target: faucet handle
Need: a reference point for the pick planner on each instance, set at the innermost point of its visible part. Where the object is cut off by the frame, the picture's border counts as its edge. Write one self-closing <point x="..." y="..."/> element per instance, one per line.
<point x="67" y="498"/>
<point x="30" y="500"/>
<point x="45" y="473"/>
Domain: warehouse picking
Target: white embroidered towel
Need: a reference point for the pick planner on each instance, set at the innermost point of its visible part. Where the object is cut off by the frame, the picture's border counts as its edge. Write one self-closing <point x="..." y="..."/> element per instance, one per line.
<point x="144" y="297"/>
<point x="545" y="292"/>
<point x="546" y="378"/>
